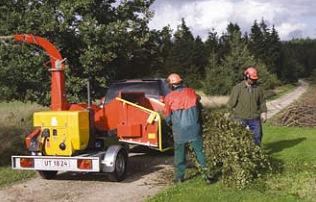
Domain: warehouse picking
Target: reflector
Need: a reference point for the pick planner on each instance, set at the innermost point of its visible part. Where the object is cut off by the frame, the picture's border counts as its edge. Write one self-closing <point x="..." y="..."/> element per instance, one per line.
<point x="84" y="164"/>
<point x="27" y="162"/>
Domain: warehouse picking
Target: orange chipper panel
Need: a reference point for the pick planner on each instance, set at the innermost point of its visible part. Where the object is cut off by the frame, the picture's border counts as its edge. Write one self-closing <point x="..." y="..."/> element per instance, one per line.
<point x="129" y="121"/>
<point x="58" y="99"/>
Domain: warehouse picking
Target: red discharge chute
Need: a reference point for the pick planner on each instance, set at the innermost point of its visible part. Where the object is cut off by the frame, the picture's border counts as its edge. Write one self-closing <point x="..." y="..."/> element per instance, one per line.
<point x="58" y="95"/>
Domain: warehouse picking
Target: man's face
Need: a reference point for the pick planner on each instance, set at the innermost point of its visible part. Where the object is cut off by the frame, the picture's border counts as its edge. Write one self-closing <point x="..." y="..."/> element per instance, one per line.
<point x="251" y="81"/>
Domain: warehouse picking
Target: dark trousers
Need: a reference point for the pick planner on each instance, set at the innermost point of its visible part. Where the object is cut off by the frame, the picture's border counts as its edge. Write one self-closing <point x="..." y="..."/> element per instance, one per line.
<point x="180" y="160"/>
<point x="255" y="127"/>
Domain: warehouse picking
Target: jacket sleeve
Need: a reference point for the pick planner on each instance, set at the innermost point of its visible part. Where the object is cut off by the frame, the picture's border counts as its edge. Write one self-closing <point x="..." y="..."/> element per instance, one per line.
<point x="167" y="111"/>
<point x="233" y="98"/>
<point x="262" y="102"/>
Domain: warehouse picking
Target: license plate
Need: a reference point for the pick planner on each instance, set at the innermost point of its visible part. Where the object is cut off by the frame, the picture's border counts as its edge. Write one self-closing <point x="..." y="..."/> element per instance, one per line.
<point x="55" y="163"/>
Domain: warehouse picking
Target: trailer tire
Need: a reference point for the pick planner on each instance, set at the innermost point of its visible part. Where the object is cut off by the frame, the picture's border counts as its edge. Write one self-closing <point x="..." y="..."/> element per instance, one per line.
<point x="47" y="174"/>
<point x="120" y="167"/>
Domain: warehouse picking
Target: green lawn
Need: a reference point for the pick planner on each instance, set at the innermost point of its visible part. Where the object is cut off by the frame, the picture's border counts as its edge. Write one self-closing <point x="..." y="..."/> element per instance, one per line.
<point x="294" y="152"/>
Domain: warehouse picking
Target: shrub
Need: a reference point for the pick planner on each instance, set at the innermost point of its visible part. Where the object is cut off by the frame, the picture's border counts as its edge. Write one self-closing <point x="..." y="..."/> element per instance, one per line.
<point x="230" y="151"/>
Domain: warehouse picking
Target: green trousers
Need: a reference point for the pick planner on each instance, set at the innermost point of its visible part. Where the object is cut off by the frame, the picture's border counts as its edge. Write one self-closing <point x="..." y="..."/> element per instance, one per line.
<point x="180" y="160"/>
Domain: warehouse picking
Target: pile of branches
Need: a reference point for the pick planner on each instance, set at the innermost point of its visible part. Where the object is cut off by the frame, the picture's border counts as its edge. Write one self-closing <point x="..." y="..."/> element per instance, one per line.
<point x="230" y="151"/>
<point x="301" y="115"/>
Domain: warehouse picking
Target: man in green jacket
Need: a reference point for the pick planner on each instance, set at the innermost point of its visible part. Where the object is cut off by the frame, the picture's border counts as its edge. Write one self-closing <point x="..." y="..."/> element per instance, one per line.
<point x="248" y="104"/>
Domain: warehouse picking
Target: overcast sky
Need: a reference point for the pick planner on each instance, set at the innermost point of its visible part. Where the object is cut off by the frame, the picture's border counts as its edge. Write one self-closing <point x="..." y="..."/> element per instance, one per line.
<point x="292" y="18"/>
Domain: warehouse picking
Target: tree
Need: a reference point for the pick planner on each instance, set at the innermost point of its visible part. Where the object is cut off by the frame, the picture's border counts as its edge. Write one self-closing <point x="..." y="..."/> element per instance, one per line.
<point x="238" y="58"/>
<point x="187" y="56"/>
<point x="257" y="41"/>
<point x="199" y="56"/>
<point x="273" y="52"/>
<point x="266" y="46"/>
<point x="101" y="41"/>
<point x="212" y="44"/>
<point x="220" y="77"/>
<point x="181" y="51"/>
<point x="165" y="45"/>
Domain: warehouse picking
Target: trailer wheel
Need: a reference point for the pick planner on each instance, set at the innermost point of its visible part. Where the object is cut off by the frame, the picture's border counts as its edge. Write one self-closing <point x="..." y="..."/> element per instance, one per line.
<point x="47" y="174"/>
<point x="119" y="172"/>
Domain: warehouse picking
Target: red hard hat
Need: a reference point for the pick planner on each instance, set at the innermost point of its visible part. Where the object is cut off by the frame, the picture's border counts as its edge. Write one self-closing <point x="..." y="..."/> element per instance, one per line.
<point x="251" y="73"/>
<point x="174" y="78"/>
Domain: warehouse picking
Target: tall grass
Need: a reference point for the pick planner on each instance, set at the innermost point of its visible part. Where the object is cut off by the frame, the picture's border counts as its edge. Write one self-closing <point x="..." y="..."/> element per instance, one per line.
<point x="15" y="123"/>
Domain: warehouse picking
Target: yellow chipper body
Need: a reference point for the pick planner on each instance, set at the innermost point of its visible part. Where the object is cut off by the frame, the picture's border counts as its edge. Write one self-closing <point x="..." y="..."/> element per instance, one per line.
<point x="63" y="132"/>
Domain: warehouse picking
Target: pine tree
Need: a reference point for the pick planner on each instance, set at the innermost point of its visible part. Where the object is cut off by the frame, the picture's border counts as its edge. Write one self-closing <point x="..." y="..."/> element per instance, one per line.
<point x="180" y="59"/>
<point x="239" y="57"/>
<point x="199" y="56"/>
<point x="257" y="41"/>
<point x="218" y="79"/>
<point x="266" y="46"/>
<point x="273" y="52"/>
<point x="212" y="44"/>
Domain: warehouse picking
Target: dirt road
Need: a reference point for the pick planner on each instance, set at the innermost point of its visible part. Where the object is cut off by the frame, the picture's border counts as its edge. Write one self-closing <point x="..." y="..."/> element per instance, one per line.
<point x="277" y="105"/>
<point x="145" y="176"/>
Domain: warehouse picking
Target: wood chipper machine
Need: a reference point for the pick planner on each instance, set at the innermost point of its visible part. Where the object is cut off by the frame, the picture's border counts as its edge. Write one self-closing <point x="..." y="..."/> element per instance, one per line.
<point x="85" y="137"/>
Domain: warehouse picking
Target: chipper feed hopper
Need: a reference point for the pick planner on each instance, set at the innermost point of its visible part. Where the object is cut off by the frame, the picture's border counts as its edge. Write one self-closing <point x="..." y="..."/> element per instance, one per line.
<point x="87" y="137"/>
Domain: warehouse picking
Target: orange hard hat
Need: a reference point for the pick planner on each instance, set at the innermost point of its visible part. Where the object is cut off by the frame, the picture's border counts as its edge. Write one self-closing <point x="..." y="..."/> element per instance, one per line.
<point x="174" y="78"/>
<point x="251" y="73"/>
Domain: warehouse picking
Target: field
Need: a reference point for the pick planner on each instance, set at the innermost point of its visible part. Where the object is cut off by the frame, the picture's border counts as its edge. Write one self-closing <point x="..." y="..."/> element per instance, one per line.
<point x="293" y="150"/>
<point x="15" y="123"/>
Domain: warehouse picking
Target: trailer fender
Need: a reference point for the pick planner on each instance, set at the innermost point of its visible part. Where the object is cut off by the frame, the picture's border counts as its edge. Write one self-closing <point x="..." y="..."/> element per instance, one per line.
<point x="108" y="162"/>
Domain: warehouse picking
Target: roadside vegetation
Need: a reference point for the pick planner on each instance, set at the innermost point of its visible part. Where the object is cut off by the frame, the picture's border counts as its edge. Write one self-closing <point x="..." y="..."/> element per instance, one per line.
<point x="15" y="123"/>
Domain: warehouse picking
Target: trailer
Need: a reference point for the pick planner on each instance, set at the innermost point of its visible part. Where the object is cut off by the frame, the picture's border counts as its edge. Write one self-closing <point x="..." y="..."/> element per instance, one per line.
<point x="86" y="137"/>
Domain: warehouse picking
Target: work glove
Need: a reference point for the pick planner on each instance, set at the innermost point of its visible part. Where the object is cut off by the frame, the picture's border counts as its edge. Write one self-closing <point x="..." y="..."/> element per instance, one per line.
<point x="264" y="117"/>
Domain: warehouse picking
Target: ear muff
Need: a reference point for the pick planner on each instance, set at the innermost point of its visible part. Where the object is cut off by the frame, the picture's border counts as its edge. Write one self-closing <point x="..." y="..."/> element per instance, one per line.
<point x="246" y="75"/>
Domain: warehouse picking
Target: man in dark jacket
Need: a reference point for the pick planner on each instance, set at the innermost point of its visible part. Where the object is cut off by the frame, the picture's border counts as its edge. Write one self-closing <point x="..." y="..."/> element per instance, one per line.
<point x="248" y="104"/>
<point x="181" y="110"/>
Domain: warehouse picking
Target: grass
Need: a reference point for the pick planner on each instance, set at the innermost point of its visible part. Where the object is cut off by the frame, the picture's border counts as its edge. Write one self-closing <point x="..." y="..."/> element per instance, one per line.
<point x="15" y="123"/>
<point x="295" y="180"/>
<point x="9" y="176"/>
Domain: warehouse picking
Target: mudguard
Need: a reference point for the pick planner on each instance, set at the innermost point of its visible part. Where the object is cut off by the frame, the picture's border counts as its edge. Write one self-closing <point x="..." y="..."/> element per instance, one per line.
<point x="108" y="162"/>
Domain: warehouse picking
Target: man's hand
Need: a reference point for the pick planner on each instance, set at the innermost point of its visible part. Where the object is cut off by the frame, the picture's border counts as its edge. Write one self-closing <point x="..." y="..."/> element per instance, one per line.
<point x="264" y="117"/>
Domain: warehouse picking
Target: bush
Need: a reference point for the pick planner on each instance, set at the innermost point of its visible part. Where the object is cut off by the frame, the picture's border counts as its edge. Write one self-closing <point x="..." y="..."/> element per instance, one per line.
<point x="230" y="151"/>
